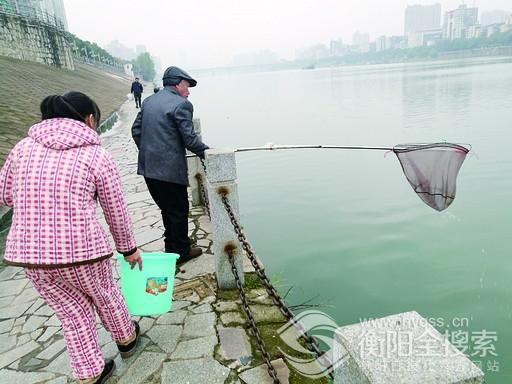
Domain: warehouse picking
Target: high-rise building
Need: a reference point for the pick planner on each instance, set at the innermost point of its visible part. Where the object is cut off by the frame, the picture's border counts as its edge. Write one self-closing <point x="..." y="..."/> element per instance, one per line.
<point x="422" y="18"/>
<point x="494" y="17"/>
<point x="458" y="21"/>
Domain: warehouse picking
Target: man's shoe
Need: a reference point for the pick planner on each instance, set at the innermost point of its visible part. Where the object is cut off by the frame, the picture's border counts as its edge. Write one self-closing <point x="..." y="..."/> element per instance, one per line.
<point x="129" y="349"/>
<point x="107" y="371"/>
<point x="194" y="252"/>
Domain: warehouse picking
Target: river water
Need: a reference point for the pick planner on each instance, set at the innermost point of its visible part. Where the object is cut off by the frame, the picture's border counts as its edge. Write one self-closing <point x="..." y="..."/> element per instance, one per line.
<point x="344" y="227"/>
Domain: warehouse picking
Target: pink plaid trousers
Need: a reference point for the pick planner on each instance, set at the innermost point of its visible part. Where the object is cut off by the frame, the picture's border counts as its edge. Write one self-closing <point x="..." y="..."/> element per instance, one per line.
<point x="74" y="293"/>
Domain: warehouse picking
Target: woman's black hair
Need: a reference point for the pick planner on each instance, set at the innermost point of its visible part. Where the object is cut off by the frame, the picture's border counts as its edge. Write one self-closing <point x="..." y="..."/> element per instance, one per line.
<point x="73" y="105"/>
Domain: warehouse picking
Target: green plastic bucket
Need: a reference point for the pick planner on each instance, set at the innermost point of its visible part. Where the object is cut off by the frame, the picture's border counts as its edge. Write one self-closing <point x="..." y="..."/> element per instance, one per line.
<point x="149" y="292"/>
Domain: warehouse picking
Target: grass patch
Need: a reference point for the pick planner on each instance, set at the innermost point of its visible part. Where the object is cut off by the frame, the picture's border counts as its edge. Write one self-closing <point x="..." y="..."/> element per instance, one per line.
<point x="252" y="281"/>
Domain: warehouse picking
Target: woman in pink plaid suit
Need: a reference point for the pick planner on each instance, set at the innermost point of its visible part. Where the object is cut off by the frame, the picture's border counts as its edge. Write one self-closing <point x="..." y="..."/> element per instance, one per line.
<point x="53" y="180"/>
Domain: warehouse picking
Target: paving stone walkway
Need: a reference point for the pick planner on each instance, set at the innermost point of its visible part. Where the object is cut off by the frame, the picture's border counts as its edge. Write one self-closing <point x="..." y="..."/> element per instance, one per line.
<point x="202" y="340"/>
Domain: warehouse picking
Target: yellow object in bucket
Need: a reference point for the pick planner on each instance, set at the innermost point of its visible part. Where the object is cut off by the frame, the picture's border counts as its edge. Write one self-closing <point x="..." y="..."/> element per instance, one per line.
<point x="149" y="292"/>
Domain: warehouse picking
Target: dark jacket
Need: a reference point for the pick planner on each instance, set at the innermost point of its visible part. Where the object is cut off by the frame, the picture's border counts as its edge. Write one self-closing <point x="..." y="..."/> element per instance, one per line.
<point x="137" y="88"/>
<point x="162" y="131"/>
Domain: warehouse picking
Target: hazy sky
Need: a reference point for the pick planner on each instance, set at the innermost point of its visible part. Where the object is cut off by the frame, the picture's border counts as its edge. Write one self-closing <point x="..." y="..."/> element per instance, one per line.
<point x="205" y="33"/>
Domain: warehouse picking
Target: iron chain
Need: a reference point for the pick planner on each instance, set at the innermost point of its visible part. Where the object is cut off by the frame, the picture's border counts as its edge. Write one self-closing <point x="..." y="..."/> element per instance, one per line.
<point x="310" y="342"/>
<point x="261" y="344"/>
<point x="204" y="196"/>
<point x="203" y="164"/>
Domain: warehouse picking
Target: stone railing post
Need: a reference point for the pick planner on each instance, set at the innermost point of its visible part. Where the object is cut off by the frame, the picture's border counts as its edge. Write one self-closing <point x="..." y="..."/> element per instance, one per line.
<point x="221" y="174"/>
<point x="195" y="167"/>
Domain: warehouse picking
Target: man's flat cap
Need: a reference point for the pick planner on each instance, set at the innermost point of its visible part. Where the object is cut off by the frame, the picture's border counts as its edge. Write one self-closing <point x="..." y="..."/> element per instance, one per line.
<point x="174" y="75"/>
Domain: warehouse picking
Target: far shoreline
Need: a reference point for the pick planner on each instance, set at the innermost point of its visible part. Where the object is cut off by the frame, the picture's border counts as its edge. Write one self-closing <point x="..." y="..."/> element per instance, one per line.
<point x="494" y="54"/>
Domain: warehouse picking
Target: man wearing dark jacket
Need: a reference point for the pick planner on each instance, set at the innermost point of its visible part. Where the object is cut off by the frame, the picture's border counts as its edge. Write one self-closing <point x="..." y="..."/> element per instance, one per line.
<point x="137" y="89"/>
<point x="162" y="131"/>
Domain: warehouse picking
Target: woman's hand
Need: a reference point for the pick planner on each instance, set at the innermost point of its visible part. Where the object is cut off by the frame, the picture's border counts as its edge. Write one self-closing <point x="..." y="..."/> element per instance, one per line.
<point x="134" y="259"/>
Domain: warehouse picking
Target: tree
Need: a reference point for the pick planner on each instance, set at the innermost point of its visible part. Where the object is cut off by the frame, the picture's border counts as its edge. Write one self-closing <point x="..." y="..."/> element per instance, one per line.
<point x="143" y="65"/>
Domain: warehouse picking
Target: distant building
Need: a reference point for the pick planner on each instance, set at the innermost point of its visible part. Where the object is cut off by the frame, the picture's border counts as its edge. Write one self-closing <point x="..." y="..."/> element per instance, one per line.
<point x="397" y="42"/>
<point x="475" y="31"/>
<point x="361" y="42"/>
<point x="422" y="18"/>
<point x="458" y="21"/>
<point x="414" y="39"/>
<point x="432" y="37"/>
<point x="337" y="48"/>
<point x="494" y="17"/>
<point x="424" y="38"/>
<point x="491" y="30"/>
<point x="381" y="44"/>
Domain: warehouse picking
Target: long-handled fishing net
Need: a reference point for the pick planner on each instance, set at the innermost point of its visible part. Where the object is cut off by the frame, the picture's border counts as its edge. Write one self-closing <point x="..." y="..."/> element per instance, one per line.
<point x="430" y="169"/>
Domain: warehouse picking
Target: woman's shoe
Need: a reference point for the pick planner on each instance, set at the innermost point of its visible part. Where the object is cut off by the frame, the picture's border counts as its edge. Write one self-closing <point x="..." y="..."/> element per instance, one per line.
<point x="129" y="349"/>
<point x="107" y="371"/>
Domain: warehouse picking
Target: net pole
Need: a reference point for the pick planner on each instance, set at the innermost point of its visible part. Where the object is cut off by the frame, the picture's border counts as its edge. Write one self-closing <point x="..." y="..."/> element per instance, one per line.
<point x="274" y="147"/>
<point x="281" y="147"/>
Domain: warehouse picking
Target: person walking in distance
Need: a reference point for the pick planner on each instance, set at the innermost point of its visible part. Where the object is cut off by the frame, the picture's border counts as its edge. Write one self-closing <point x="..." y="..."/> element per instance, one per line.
<point x="162" y="131"/>
<point x="137" y="90"/>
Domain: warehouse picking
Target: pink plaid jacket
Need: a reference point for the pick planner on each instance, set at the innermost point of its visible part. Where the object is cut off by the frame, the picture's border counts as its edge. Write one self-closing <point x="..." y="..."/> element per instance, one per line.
<point x="53" y="179"/>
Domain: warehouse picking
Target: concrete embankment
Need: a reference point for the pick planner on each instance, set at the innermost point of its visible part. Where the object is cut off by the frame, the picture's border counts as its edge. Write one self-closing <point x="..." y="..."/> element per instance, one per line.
<point x="24" y="84"/>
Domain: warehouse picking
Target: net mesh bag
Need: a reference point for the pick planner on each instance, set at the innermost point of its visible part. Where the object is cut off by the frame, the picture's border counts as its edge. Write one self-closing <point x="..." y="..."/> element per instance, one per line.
<point x="432" y="170"/>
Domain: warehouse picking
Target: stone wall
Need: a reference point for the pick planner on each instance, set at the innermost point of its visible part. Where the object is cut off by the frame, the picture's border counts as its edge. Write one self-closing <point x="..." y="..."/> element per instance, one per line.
<point x="31" y="40"/>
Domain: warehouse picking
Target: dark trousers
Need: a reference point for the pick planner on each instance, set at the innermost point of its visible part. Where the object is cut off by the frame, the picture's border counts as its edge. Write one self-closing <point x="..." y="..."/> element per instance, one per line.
<point x="172" y="199"/>
<point x="137" y="97"/>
